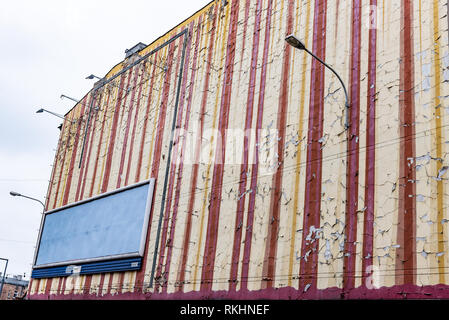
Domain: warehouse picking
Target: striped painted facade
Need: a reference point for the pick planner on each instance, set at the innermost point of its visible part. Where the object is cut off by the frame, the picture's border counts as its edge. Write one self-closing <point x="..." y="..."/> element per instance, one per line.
<point x="302" y="207"/>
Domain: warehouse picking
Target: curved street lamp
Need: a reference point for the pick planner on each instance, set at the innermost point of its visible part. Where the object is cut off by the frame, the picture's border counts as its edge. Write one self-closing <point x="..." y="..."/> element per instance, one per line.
<point x="16" y="194"/>
<point x="67" y="97"/>
<point x="296" y="43"/>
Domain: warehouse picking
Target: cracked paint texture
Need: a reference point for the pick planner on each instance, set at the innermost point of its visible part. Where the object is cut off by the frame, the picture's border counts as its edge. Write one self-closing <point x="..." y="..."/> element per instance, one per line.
<point x="273" y="220"/>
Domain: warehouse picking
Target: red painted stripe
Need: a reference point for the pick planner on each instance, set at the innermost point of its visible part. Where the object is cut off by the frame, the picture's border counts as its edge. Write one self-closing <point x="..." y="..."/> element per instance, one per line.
<point x="121" y="101"/>
<point x="243" y="44"/>
<point x="73" y="155"/>
<point x="406" y="234"/>
<point x="83" y="161"/>
<point x="172" y="165"/>
<point x="55" y="164"/>
<point x="312" y="200"/>
<point x="157" y="154"/>
<point x="111" y="145"/>
<point x="48" y="286"/>
<point x="109" y="287"/>
<point x="217" y="179"/>
<point x="352" y="183"/>
<point x="63" y="285"/>
<point x="175" y="158"/>
<point x="87" y="284"/>
<point x="255" y="166"/>
<point x="133" y="134"/>
<point x="186" y="128"/>
<point x="60" y="285"/>
<point x="91" y="146"/>
<point x="94" y="175"/>
<point x="145" y="123"/>
<point x="244" y="166"/>
<point x="269" y="264"/>
<point x="122" y="274"/>
<point x="370" y="165"/>
<point x="101" y="284"/>
<point x="195" y="167"/>
<point x="128" y="126"/>
<point x="66" y="149"/>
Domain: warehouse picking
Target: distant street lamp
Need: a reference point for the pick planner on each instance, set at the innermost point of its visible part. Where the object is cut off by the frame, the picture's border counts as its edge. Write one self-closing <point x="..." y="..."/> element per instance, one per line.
<point x="16" y="194"/>
<point x="296" y="43"/>
<point x="55" y="114"/>
<point x="73" y="99"/>
<point x="93" y="76"/>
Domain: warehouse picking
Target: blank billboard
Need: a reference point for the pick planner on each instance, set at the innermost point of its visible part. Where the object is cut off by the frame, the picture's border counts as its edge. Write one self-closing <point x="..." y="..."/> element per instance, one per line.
<point x="110" y="226"/>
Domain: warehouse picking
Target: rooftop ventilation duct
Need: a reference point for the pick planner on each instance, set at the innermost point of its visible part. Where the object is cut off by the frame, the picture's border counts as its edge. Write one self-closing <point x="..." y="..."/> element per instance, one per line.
<point x="136" y="48"/>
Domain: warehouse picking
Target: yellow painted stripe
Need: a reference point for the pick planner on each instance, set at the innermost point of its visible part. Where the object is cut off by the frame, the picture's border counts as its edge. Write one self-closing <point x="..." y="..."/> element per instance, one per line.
<point x="155" y="119"/>
<point x="68" y="159"/>
<point x="103" y="163"/>
<point x="438" y="138"/>
<point x="298" y="149"/>
<point x="217" y="96"/>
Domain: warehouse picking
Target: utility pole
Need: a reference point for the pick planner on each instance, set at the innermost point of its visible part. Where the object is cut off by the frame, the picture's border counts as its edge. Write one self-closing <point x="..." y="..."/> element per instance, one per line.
<point x="4" y="275"/>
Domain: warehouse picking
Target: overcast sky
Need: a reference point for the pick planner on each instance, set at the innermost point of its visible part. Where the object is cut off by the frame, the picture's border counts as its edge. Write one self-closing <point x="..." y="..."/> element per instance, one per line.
<point x="48" y="48"/>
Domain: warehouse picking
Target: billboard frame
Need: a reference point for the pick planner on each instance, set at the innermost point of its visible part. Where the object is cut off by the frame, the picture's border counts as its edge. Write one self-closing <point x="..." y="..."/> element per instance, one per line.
<point x="148" y="206"/>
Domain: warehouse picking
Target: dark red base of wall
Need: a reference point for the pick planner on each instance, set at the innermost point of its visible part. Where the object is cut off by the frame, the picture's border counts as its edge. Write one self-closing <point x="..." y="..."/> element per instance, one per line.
<point x="395" y="292"/>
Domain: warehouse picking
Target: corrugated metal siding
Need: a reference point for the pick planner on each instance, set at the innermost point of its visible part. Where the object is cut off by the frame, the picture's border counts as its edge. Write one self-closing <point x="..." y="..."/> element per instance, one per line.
<point x="307" y="211"/>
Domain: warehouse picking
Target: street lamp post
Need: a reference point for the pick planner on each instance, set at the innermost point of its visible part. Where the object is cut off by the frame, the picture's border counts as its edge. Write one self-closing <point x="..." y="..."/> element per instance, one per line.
<point x="3" y="277"/>
<point x="73" y="99"/>
<point x="16" y="194"/>
<point x="41" y="110"/>
<point x="296" y="43"/>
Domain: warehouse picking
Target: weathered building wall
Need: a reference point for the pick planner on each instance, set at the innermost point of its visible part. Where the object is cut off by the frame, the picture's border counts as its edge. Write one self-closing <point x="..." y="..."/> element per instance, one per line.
<point x="299" y="207"/>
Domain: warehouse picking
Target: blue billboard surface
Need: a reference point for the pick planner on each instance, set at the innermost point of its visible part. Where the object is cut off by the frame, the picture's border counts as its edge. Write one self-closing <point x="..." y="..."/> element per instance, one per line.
<point x="105" y="227"/>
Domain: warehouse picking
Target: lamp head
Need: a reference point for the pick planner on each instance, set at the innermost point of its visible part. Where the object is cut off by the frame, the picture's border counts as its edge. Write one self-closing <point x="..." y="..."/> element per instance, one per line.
<point x="90" y="77"/>
<point x="40" y="111"/>
<point x="295" y="42"/>
<point x="15" y="194"/>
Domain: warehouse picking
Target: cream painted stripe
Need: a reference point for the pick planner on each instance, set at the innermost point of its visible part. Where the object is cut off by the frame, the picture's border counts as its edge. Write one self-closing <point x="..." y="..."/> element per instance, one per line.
<point x="262" y="200"/>
<point x="364" y="60"/>
<point x="59" y="165"/>
<point x="223" y="27"/>
<point x="108" y="126"/>
<point x="423" y="116"/>
<point x="331" y="242"/>
<point x="121" y="128"/>
<point x="157" y="193"/>
<point x="156" y="116"/>
<point x="140" y="109"/>
<point x="387" y="158"/>
<point x="244" y="81"/>
<point x="288" y="178"/>
<point x="68" y="159"/>
<point x="178" y="236"/>
<point x="234" y="151"/>
<point x="444" y="92"/>
<point x="195" y="123"/>
<point x="298" y="85"/>
<point x="164" y="151"/>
